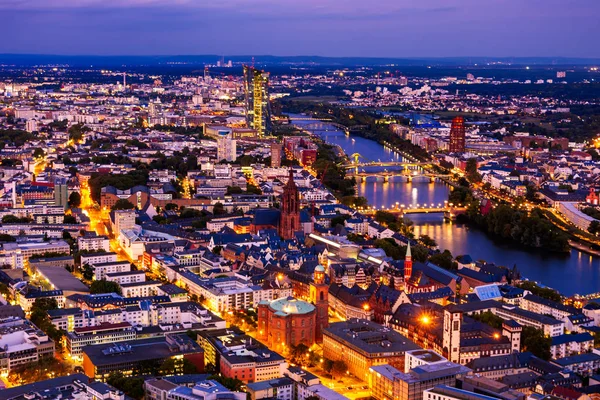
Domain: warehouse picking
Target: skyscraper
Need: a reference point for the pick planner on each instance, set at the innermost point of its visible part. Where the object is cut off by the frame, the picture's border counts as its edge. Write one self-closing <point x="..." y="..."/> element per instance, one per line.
<point x="457" y="135"/>
<point x="258" y="109"/>
<point x="290" y="209"/>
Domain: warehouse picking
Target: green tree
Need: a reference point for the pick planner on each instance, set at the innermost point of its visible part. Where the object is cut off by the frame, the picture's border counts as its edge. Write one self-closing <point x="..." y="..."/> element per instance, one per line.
<point x="104" y="286"/>
<point x="38" y="153"/>
<point x="74" y="200"/>
<point x="219" y="209"/>
<point x="131" y="386"/>
<point x="444" y="260"/>
<point x="471" y="170"/>
<point x="535" y="341"/>
<point x="339" y="220"/>
<point x="123" y="204"/>
<point x="69" y="219"/>
<point x="339" y="368"/>
<point x="427" y="241"/>
<point x="594" y="227"/>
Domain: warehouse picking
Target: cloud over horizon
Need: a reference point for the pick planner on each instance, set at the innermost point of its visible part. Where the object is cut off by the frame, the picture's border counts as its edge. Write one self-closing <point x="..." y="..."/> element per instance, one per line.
<point x="385" y="28"/>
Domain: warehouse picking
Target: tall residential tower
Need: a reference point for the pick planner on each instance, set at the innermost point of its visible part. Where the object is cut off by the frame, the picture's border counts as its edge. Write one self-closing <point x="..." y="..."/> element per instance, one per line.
<point x="258" y="109"/>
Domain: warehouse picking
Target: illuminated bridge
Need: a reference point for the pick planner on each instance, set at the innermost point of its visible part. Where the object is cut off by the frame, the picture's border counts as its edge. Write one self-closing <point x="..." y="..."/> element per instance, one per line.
<point x="450" y="211"/>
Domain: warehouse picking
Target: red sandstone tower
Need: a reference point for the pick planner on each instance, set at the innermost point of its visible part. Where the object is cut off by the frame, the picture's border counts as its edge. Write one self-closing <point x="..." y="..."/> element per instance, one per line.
<point x="290" y="209"/>
<point x="457" y="135"/>
<point x="319" y="291"/>
<point x="407" y="266"/>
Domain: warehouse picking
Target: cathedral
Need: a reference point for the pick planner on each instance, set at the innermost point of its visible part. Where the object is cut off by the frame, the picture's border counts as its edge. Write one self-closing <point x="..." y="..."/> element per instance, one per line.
<point x="289" y="222"/>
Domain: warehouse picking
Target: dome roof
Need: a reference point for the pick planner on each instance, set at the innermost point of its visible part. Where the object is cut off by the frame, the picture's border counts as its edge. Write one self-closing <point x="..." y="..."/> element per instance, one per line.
<point x="319" y="268"/>
<point x="291" y="305"/>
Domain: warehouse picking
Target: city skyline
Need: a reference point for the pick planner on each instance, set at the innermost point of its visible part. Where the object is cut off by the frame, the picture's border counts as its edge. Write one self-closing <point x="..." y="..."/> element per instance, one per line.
<point x="384" y="29"/>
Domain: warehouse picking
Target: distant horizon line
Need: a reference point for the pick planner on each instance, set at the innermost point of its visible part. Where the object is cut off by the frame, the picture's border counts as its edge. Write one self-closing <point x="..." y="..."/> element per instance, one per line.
<point x="25" y="60"/>
<point x="411" y="58"/>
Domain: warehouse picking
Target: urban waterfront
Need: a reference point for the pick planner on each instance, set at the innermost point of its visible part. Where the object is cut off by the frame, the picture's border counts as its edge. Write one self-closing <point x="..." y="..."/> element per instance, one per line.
<point x="576" y="272"/>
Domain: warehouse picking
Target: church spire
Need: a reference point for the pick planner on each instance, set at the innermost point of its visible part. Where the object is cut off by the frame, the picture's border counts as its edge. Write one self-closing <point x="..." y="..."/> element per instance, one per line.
<point x="407" y="265"/>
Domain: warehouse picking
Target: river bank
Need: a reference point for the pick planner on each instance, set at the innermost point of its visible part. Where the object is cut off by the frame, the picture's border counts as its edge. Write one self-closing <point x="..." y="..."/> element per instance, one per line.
<point x="570" y="273"/>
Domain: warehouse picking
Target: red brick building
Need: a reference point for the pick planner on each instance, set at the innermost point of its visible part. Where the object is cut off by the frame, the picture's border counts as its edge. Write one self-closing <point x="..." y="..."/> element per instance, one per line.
<point x="286" y="322"/>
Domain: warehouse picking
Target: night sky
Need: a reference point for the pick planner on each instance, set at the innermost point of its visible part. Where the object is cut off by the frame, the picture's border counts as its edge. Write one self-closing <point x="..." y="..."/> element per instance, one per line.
<point x="365" y="28"/>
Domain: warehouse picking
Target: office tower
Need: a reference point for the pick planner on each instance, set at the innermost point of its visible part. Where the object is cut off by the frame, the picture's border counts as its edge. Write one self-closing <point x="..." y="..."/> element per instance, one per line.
<point x="290" y="209"/>
<point x="457" y="135"/>
<point x="276" y="150"/>
<point x="258" y="109"/>
<point x="61" y="192"/>
<point x="226" y="146"/>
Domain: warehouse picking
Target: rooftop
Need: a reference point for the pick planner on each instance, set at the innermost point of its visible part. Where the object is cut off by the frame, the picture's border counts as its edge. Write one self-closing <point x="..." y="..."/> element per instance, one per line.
<point x="369" y="337"/>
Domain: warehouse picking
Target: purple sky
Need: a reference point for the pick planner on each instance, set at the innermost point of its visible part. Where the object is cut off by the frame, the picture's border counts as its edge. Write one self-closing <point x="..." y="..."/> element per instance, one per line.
<point x="367" y="28"/>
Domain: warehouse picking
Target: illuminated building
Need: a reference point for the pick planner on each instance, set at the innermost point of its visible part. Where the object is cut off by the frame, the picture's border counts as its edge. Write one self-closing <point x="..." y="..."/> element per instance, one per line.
<point x="362" y="344"/>
<point x="258" y="110"/>
<point x="457" y="135"/>
<point x="226" y="146"/>
<point x="286" y="322"/>
<point x="141" y="357"/>
<point x="21" y="342"/>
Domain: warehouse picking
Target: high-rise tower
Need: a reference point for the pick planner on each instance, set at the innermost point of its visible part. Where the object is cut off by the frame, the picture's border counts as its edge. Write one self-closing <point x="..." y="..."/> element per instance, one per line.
<point x="319" y="297"/>
<point x="290" y="209"/>
<point x="457" y="135"/>
<point x="407" y="265"/>
<point x="258" y="108"/>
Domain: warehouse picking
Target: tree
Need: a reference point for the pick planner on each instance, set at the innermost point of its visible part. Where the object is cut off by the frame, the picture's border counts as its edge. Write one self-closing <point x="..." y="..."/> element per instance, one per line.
<point x="443" y="259"/>
<point x="233" y="190"/>
<point x="69" y="219"/>
<point x="428" y="241"/>
<point x="5" y="291"/>
<point x="104" y="286"/>
<point x="235" y="385"/>
<point x="11" y="219"/>
<point x="7" y="238"/>
<point x="471" y="170"/>
<point x="218" y="209"/>
<point x="171" y="206"/>
<point x="131" y="386"/>
<point x="339" y="220"/>
<point x="123" y="204"/>
<point x="594" y="227"/>
<point x="74" y="200"/>
<point x="38" y="153"/>
<point x="339" y="368"/>
<point x="535" y="341"/>
<point x="76" y="132"/>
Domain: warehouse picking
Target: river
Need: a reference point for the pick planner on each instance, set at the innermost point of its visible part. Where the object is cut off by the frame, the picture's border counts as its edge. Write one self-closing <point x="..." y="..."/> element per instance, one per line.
<point x="572" y="273"/>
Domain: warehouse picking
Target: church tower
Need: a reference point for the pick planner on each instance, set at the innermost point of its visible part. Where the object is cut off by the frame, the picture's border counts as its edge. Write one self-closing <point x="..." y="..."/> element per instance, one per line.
<point x="290" y="209"/>
<point x="319" y="291"/>
<point x="407" y="266"/>
<point x="451" y="335"/>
